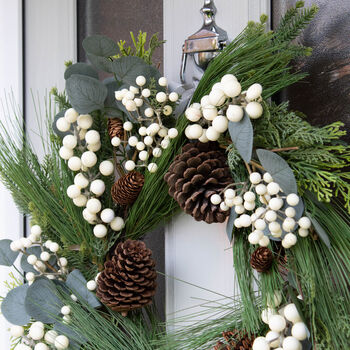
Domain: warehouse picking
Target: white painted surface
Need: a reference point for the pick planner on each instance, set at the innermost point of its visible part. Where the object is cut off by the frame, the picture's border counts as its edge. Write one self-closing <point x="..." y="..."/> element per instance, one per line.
<point x="11" y="80"/>
<point x="51" y="40"/>
<point x="197" y="252"/>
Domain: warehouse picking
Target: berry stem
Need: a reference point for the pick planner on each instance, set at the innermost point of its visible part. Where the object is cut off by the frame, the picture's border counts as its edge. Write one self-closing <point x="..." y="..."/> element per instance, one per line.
<point x="284" y="149"/>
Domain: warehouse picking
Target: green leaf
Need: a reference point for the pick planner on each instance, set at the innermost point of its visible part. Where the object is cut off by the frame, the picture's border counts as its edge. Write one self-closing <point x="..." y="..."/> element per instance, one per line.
<point x="42" y="301"/>
<point x="242" y="137"/>
<point x="13" y="306"/>
<point x="319" y="230"/>
<point x="128" y="68"/>
<point x="82" y="69"/>
<point x="77" y="283"/>
<point x="7" y="256"/>
<point x="100" y="45"/>
<point x="297" y="303"/>
<point x="75" y="339"/>
<point x="101" y="63"/>
<point x="279" y="170"/>
<point x="230" y="224"/>
<point x="86" y="94"/>
<point x="112" y="86"/>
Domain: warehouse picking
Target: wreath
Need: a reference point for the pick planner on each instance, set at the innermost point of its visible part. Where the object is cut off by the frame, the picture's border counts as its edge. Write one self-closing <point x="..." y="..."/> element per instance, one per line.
<point x="126" y="154"/>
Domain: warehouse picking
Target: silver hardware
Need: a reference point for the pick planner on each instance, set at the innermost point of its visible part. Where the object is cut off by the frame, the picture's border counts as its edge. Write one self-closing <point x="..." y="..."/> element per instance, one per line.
<point x="205" y="44"/>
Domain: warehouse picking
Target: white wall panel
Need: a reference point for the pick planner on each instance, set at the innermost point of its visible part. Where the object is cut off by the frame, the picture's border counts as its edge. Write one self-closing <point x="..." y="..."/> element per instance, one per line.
<point x="197" y="252"/>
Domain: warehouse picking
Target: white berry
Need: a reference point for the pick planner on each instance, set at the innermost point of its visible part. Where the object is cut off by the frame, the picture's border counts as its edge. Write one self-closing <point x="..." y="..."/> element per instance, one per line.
<point x="161" y="97"/>
<point x="291" y="313"/>
<point x="100" y="231"/>
<point x="299" y="331"/>
<point x="228" y="78"/>
<point x="32" y="259"/>
<point x="212" y="134"/>
<point x="260" y="343"/>
<point x="254" y="110"/>
<point x="117" y="223"/>
<point x="304" y="222"/>
<point x="152" y="167"/>
<point x="220" y="123"/>
<point x="88" y="159"/>
<point x="245" y="220"/>
<point x="107" y="215"/>
<point x="54" y="247"/>
<point x="254" y="237"/>
<point x="130" y="165"/>
<point x="45" y="256"/>
<point x="209" y="112"/>
<point x="260" y="224"/>
<point x="254" y="92"/>
<point x="65" y="310"/>
<point x="71" y="115"/>
<point x="65" y="152"/>
<point x="290" y="212"/>
<point x="61" y="342"/>
<point x="92" y="137"/>
<point x="277" y="323"/>
<point x="50" y="336"/>
<point x="194" y="132"/>
<point x="271" y="215"/>
<point x="62" y="124"/>
<point x="93" y="205"/>
<point x="292" y="199"/>
<point x="97" y="187"/>
<point x="16" y="331"/>
<point x="143" y="155"/>
<point x="193" y="114"/>
<point x="303" y="232"/>
<point x="173" y="96"/>
<point x="91" y="285"/>
<point x="273" y="188"/>
<point x="88" y="216"/>
<point x="267" y="177"/>
<point x="140" y="80"/>
<point x="264" y="241"/>
<point x="276" y="203"/>
<point x="232" y="88"/>
<point x="80" y="201"/>
<point x="273" y="338"/>
<point x="172" y="133"/>
<point x="234" y="113"/>
<point x="63" y="262"/>
<point x="162" y="81"/>
<point x="217" y="97"/>
<point x="215" y="199"/>
<point x="230" y="193"/>
<point x="106" y="168"/>
<point x="73" y="191"/>
<point x="133" y="141"/>
<point x="288" y="224"/>
<point x="291" y="343"/>
<point x="127" y="126"/>
<point x="85" y="121"/>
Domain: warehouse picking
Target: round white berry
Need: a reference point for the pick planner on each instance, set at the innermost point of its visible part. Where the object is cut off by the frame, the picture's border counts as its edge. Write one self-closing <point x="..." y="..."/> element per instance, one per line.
<point x="291" y="313"/>
<point x="73" y="191"/>
<point x="304" y="222"/>
<point x="130" y="165"/>
<point x="30" y="276"/>
<point x="220" y="123"/>
<point x="162" y="81"/>
<point x="85" y="121"/>
<point x="71" y="115"/>
<point x="161" y="97"/>
<point x="273" y="338"/>
<point x="134" y="89"/>
<point x="133" y="141"/>
<point x="36" y="230"/>
<point x="127" y="126"/>
<point x="45" y="256"/>
<point x="205" y="101"/>
<point x="88" y="159"/>
<point x="254" y="237"/>
<point x="157" y="152"/>
<point x="65" y="310"/>
<point x="138" y="102"/>
<point x="274" y="226"/>
<point x="62" y="124"/>
<point x="93" y="205"/>
<point x="237" y="223"/>
<point x="277" y="323"/>
<point x="212" y="134"/>
<point x="238" y="200"/>
<point x="299" y="331"/>
<point x="140" y="146"/>
<point x="239" y="209"/>
<point x="70" y="141"/>
<point x="273" y="188"/>
<point x="266" y="314"/>
<point x="255" y="178"/>
<point x="117" y="223"/>
<point x="80" y="201"/>
<point x="217" y="97"/>
<point x="254" y="110"/>
<point x="63" y="262"/>
<point x="194" y="132"/>
<point x="32" y="259"/>
<point x="254" y="92"/>
<point x="290" y="239"/>
<point x="209" y="112"/>
<point x="288" y="224"/>
<point x="130" y="105"/>
<point x="142" y="131"/>
<point x="107" y="215"/>
<point x="118" y="95"/>
<point x="260" y="343"/>
<point x="193" y="114"/>
<point x="232" y="88"/>
<point x="249" y="205"/>
<point x="129" y="95"/>
<point x="249" y="196"/>
<point x="291" y="343"/>
<point x="148" y="140"/>
<point x="146" y="93"/>
<point x="264" y="241"/>
<point x="172" y="133"/>
<point x="16" y="331"/>
<point x="153" y="129"/>
<point x="74" y="163"/>
<point x="224" y="206"/>
<point x="92" y="137"/>
<point x="54" y="247"/>
<point x="65" y="152"/>
<point x="292" y="199"/>
<point x="81" y="181"/>
<point x="88" y="216"/>
<point x="261" y="189"/>
<point x="276" y="203"/>
<point x="167" y="110"/>
<point x="234" y="113"/>
<point x="245" y="220"/>
<point x="173" y="96"/>
<point x="50" y="336"/>
<point x="275" y="299"/>
<point x="143" y="155"/>
<point x="100" y="231"/>
<point x="215" y="199"/>
<point x="152" y="167"/>
<point x="229" y="193"/>
<point x="40" y="346"/>
<point x="140" y="80"/>
<point x="228" y="78"/>
<point x="116" y="141"/>
<point x="106" y="168"/>
<point x="271" y="215"/>
<point x="97" y="187"/>
<point x="163" y="132"/>
<point x="61" y="342"/>
<point x="260" y="224"/>
<point x="267" y="177"/>
<point x="36" y="333"/>
<point x="303" y="232"/>
<point x="91" y="285"/>
<point x="290" y="212"/>
<point x="94" y="147"/>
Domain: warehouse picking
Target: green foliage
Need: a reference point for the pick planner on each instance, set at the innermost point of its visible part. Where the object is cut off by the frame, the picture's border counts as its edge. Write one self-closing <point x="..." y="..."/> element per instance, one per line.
<point x="320" y="161"/>
<point x="139" y="48"/>
<point x="60" y="99"/>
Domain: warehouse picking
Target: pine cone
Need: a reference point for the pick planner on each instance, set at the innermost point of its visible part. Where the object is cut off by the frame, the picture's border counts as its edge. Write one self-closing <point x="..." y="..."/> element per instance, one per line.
<point x="126" y="190"/>
<point x="261" y="259"/>
<point x="195" y="175"/>
<point x="128" y="281"/>
<point x="115" y="128"/>
<point x="236" y="340"/>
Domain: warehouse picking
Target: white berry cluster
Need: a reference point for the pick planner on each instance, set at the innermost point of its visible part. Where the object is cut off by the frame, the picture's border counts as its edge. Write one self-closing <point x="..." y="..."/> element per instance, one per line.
<point x="92" y="284"/>
<point x="38" y="339"/>
<point x="87" y="186"/>
<point x="275" y="214"/>
<point x="226" y="102"/>
<point x="41" y="263"/>
<point x="286" y="321"/>
<point x="147" y="136"/>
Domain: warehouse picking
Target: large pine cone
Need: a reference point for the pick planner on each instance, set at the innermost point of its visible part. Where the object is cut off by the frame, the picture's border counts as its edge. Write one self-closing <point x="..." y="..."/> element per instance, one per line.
<point x="115" y="128"/>
<point x="129" y="279"/>
<point x="195" y="175"/>
<point x="127" y="188"/>
<point x="261" y="259"/>
<point x="236" y="340"/>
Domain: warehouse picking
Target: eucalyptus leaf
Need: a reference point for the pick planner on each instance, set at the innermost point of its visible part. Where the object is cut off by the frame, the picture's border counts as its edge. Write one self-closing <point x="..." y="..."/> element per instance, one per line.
<point x="101" y="63"/>
<point x="75" y="339"/>
<point x="100" y="45"/>
<point x="319" y="230"/>
<point x="242" y="137"/>
<point x="230" y="223"/>
<point x="112" y="86"/>
<point x="77" y="283"/>
<point x="128" y="68"/>
<point x="279" y="170"/>
<point x="42" y="301"/>
<point x="13" y="306"/>
<point x="82" y="69"/>
<point x="7" y="256"/>
<point x="85" y="94"/>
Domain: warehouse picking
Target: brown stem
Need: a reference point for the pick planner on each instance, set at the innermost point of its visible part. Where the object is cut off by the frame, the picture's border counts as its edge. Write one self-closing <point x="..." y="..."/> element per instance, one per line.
<point x="284" y="149"/>
<point x="252" y="162"/>
<point x="248" y="167"/>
